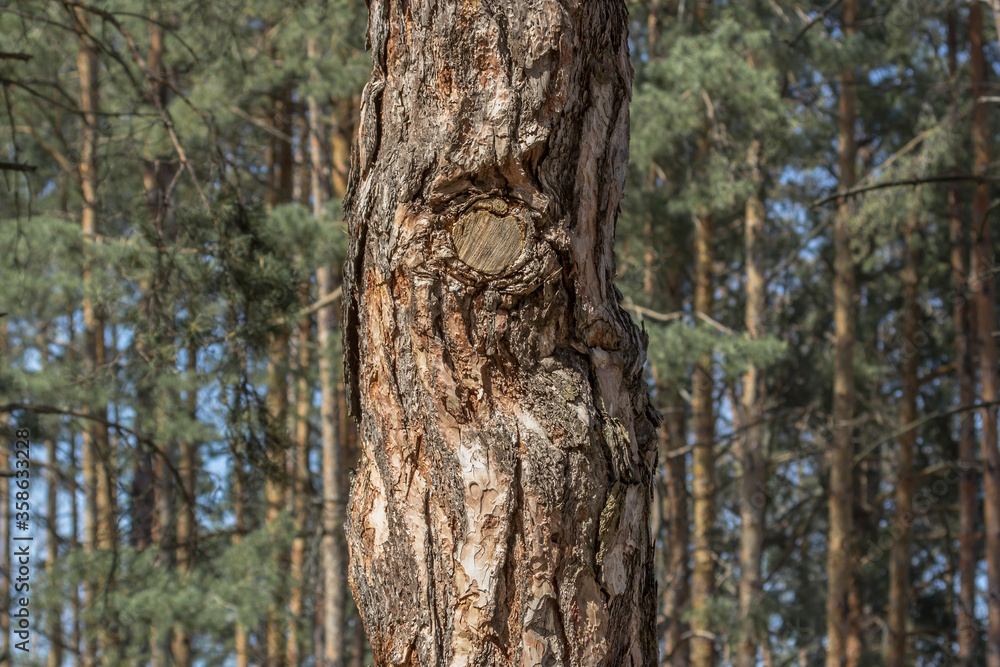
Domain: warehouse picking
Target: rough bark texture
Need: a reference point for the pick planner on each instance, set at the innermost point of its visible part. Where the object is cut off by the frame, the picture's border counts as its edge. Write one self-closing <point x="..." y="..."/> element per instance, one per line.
<point x="982" y="284"/>
<point x="899" y="565"/>
<point x="842" y="453"/>
<point x="500" y="514"/>
<point x="752" y="497"/>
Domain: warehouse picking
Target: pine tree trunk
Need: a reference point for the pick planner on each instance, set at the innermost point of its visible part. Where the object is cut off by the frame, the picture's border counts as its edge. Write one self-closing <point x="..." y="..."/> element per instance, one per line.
<point x="333" y="545"/>
<point x="842" y="453"/>
<point x="673" y="495"/>
<point x="966" y="378"/>
<point x="500" y="514"/>
<point x="280" y="177"/>
<point x="52" y="549"/>
<point x="982" y="284"/>
<point x="357" y="644"/>
<point x="187" y="527"/>
<point x="899" y="566"/>
<point x="752" y="497"/>
<point x="301" y="488"/>
<point x="74" y="535"/>
<point x="95" y="444"/>
<point x="274" y="486"/>
<point x="702" y="412"/>
<point x="676" y="592"/>
<point x="164" y="536"/>
<point x="703" y="460"/>
<point x="239" y="491"/>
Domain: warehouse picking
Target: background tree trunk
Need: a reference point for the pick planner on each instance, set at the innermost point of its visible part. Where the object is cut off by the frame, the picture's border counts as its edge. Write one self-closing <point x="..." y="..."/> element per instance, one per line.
<point x="842" y="454"/>
<point x="95" y="439"/>
<point x="703" y="460"/>
<point x="899" y="566"/>
<point x="963" y="315"/>
<point x="753" y="500"/>
<point x="300" y="489"/>
<point x="500" y="514"/>
<point x="334" y="546"/>
<point x="983" y="265"/>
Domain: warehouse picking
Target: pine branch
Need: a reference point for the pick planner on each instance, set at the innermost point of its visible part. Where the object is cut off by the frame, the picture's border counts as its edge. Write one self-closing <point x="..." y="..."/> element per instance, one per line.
<point x="917" y="423"/>
<point x="140" y="438"/>
<point x="968" y="178"/>
<point x="819" y="17"/>
<point x="16" y="166"/>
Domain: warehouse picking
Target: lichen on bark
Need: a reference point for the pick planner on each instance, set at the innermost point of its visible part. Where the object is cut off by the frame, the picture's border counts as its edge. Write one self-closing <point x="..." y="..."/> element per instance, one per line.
<point x="500" y="514"/>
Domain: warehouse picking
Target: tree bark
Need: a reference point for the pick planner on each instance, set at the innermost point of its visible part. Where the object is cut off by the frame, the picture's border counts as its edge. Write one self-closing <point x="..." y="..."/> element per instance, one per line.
<point x="899" y="565"/>
<point x="500" y="514"/>
<point x="982" y="284"/>
<point x="753" y="500"/>
<point x="842" y="453"/>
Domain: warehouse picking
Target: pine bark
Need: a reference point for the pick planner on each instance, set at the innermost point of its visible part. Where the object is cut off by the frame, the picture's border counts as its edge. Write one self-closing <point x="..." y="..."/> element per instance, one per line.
<point x="753" y="500"/>
<point x="842" y="452"/>
<point x="500" y="514"/>
<point x="899" y="565"/>
<point x="982" y="284"/>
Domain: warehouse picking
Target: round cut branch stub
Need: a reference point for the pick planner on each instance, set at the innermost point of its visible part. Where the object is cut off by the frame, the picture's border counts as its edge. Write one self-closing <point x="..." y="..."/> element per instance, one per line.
<point x="488" y="236"/>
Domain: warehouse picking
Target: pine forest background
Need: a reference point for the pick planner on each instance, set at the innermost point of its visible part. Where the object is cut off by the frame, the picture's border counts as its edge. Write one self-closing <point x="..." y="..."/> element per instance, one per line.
<point x="806" y="238"/>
